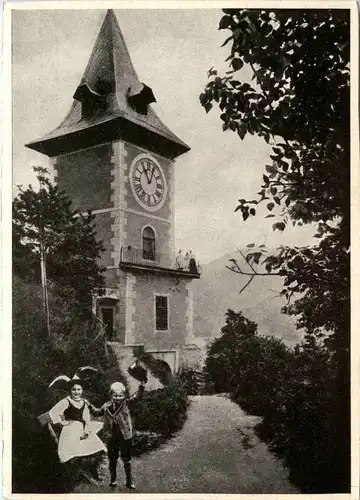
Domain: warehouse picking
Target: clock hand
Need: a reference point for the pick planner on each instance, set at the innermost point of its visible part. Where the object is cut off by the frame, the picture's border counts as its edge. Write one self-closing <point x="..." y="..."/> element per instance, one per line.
<point x="146" y="173"/>
<point x="152" y="174"/>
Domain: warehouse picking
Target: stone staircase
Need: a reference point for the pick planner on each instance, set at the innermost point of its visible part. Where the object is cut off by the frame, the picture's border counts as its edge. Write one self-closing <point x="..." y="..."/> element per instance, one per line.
<point x="200" y="378"/>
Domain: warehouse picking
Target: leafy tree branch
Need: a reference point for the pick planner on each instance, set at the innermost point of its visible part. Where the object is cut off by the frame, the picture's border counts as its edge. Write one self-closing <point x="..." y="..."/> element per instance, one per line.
<point x="298" y="98"/>
<point x="46" y="228"/>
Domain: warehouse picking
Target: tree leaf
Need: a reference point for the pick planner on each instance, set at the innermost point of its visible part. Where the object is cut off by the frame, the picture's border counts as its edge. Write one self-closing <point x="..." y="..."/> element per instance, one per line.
<point x="233" y="126"/>
<point x="279" y="225"/>
<point x="277" y="151"/>
<point x="225" y="22"/>
<point x="208" y="106"/>
<point x="237" y="64"/>
<point x="227" y="41"/>
<point x="242" y="132"/>
<point x="271" y="169"/>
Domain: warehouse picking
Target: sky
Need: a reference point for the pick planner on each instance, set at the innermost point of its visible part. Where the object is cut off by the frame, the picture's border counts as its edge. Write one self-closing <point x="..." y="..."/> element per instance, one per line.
<point x="171" y="50"/>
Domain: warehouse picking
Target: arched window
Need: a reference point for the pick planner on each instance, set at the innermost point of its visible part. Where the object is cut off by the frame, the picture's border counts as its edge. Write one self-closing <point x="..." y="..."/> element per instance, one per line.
<point x="148" y="244"/>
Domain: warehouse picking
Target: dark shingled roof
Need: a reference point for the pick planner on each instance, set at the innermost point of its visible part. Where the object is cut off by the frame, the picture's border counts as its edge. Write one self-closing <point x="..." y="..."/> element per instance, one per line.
<point x="110" y="77"/>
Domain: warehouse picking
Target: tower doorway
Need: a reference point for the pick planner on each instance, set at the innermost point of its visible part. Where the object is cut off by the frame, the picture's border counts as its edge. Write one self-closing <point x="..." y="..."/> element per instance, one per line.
<point x="107" y="316"/>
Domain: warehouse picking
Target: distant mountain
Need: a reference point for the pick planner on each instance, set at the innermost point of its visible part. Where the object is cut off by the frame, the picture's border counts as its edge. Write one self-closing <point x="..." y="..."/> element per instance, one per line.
<point x="218" y="290"/>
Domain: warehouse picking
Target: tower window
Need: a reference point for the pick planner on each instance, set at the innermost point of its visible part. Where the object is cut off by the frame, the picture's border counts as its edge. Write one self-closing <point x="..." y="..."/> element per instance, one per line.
<point x="92" y="101"/>
<point x="161" y="312"/>
<point x="148" y="244"/>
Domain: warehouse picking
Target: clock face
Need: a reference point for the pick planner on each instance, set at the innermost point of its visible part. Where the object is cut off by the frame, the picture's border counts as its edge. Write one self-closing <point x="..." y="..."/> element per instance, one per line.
<point x="148" y="182"/>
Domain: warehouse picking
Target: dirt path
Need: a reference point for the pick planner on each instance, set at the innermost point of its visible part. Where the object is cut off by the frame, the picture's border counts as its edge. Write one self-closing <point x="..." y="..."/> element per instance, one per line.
<point x="215" y="452"/>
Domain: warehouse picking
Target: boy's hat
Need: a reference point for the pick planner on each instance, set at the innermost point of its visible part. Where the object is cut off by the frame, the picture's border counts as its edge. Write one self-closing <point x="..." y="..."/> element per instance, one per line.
<point x="117" y="387"/>
<point x="138" y="371"/>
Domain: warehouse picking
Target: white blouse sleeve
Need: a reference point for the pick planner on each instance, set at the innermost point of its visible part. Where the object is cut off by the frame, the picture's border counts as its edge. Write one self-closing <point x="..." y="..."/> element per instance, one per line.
<point x="56" y="413"/>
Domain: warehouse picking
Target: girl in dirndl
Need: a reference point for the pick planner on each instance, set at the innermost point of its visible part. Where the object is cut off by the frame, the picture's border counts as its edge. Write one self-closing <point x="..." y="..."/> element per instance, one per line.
<point x="78" y="437"/>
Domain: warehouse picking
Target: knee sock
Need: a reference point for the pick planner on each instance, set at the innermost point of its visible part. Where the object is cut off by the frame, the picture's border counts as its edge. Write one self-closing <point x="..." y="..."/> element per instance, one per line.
<point x="127" y="467"/>
<point x="112" y="467"/>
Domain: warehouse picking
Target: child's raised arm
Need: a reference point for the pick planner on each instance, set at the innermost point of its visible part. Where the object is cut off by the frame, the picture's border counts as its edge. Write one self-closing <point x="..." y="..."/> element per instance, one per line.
<point x="138" y="394"/>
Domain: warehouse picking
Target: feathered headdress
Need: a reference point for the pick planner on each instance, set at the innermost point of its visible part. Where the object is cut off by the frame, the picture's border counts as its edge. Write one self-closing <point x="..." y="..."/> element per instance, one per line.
<point x="65" y="382"/>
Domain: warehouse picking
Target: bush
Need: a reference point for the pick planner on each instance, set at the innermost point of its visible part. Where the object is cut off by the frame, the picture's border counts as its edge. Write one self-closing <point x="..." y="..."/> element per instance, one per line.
<point x="146" y="441"/>
<point x="33" y="360"/>
<point x="36" y="361"/>
<point x="296" y="392"/>
<point x="162" y="411"/>
<point x="187" y="376"/>
<point x="303" y="425"/>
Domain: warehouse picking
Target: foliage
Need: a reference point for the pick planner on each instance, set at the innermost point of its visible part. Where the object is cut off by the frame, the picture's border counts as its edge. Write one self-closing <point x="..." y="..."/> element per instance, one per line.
<point x="36" y="361"/>
<point x="187" y="376"/>
<point x="296" y="393"/>
<point x="299" y="99"/>
<point x="144" y="441"/>
<point x="222" y="359"/>
<point x="301" y="424"/>
<point x="162" y="411"/>
<point x="43" y="220"/>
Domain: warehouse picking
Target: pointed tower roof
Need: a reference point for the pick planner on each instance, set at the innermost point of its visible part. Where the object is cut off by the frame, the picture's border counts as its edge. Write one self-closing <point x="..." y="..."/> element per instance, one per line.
<point x="110" y="103"/>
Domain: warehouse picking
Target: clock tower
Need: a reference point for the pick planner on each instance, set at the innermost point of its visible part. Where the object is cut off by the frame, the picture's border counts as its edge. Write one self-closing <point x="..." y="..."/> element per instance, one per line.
<point x="113" y="156"/>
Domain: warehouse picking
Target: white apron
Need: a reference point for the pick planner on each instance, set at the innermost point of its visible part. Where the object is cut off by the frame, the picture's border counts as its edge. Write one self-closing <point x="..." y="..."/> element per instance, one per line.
<point x="70" y="443"/>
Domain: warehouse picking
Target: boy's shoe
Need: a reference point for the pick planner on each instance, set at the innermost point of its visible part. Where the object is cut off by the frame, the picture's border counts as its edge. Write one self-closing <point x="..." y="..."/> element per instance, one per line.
<point x="113" y="484"/>
<point x="129" y="481"/>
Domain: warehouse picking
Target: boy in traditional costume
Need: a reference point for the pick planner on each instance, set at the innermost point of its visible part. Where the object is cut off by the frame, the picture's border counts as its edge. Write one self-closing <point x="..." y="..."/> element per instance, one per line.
<point x="117" y="428"/>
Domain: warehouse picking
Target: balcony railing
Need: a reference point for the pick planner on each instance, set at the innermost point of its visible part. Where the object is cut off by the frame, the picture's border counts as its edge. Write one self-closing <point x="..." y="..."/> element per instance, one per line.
<point x="137" y="256"/>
